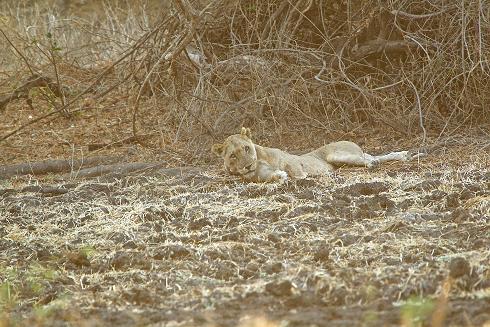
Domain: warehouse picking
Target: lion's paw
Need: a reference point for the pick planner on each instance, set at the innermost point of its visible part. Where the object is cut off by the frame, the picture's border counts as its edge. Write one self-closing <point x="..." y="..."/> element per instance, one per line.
<point x="279" y="176"/>
<point x="302" y="176"/>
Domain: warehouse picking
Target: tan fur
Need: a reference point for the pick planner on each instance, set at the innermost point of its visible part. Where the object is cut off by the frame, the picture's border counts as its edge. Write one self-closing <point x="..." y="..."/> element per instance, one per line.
<point x="261" y="164"/>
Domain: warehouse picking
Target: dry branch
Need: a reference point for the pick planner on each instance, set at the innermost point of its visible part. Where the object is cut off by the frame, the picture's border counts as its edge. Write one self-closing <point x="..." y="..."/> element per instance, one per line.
<point x="128" y="140"/>
<point x="194" y="21"/>
<point x="407" y="15"/>
<point x="53" y="166"/>
<point x="22" y="91"/>
<point x="235" y="63"/>
<point x="379" y="46"/>
<point x="118" y="169"/>
<point x="26" y="62"/>
<point x="273" y="19"/>
<point x="94" y="82"/>
<point x="46" y="190"/>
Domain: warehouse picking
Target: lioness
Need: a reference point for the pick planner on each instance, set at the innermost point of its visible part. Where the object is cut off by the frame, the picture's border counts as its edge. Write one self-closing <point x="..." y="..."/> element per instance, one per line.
<point x="260" y="164"/>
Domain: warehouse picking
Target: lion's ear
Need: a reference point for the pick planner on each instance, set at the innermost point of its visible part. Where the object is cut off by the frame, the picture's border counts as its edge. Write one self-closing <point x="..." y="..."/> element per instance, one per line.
<point x="218" y="149"/>
<point x="246" y="132"/>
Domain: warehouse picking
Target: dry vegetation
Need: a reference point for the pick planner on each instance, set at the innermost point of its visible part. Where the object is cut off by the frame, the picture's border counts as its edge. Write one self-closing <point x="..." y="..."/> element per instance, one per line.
<point x="122" y="93"/>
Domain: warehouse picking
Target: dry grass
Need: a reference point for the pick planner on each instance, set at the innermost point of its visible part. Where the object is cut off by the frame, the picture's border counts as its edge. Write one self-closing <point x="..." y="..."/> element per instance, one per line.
<point x="356" y="248"/>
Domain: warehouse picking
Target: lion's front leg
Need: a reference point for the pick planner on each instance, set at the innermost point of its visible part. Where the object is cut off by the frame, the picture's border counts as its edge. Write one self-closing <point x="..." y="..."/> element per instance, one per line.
<point x="265" y="173"/>
<point x="296" y="171"/>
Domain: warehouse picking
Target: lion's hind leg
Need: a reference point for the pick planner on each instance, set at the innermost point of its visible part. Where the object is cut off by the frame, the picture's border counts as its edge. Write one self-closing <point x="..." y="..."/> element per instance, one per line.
<point x="348" y="153"/>
<point x="400" y="156"/>
<point x="365" y="159"/>
<point x="340" y="158"/>
<point x="344" y="153"/>
<point x="392" y="156"/>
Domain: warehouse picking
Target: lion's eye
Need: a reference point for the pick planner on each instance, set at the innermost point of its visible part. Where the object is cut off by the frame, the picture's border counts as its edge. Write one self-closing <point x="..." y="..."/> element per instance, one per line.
<point x="232" y="156"/>
<point x="247" y="148"/>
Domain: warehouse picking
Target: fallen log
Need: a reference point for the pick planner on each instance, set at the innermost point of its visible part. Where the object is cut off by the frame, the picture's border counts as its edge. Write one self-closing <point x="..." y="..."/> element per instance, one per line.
<point x="119" y="169"/>
<point x="54" y="166"/>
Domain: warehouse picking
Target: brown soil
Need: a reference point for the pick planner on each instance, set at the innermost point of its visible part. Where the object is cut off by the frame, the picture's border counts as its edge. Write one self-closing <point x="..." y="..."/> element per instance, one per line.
<point x="405" y="244"/>
<point x="359" y="248"/>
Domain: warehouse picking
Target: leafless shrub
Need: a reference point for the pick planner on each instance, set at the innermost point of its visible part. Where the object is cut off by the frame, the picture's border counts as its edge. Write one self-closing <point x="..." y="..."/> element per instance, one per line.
<point x="206" y="68"/>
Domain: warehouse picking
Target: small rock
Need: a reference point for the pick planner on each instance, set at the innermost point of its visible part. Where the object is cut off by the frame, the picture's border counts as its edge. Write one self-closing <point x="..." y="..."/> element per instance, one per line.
<point x="273" y="268"/>
<point x="198" y="224"/>
<point x="137" y="295"/>
<point x="424" y="186"/>
<point x="48" y="297"/>
<point x="347" y="239"/>
<point x="322" y="254"/>
<point x="279" y="289"/>
<point x="480" y="243"/>
<point x="120" y="260"/>
<point x="368" y="238"/>
<point x="274" y="238"/>
<point x="364" y="188"/>
<point x="452" y="200"/>
<point x="79" y="259"/>
<point x="458" y="267"/>
<point x="303" y="300"/>
<point x="171" y="251"/>
<point x="251" y="270"/>
<point x="460" y="215"/>
<point x="130" y="245"/>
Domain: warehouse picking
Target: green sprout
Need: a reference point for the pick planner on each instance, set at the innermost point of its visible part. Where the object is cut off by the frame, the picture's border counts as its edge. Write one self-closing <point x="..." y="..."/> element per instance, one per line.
<point x="415" y="311"/>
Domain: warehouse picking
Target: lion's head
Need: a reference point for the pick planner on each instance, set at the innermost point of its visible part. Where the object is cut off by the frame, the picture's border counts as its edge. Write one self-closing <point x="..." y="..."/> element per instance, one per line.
<point x="238" y="152"/>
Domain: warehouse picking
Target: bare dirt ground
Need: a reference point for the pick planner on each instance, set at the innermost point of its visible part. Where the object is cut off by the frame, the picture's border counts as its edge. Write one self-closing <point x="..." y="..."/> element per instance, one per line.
<point x="174" y="241"/>
<point x="194" y="247"/>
